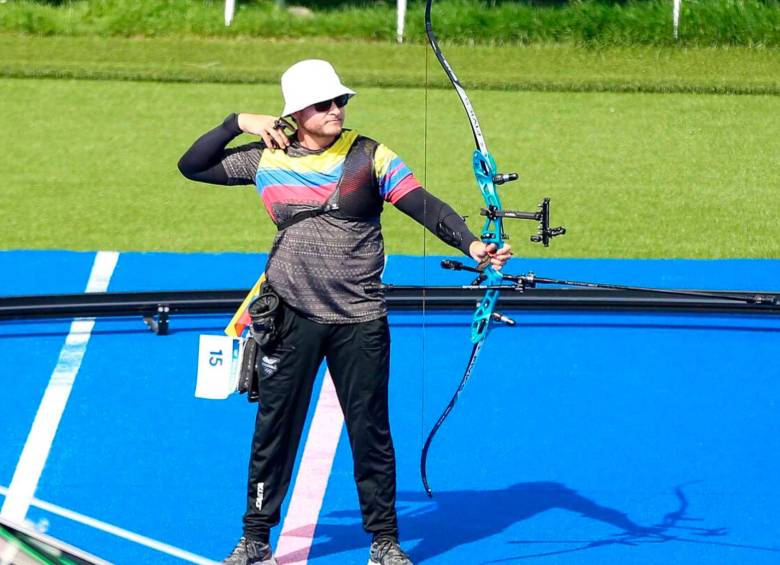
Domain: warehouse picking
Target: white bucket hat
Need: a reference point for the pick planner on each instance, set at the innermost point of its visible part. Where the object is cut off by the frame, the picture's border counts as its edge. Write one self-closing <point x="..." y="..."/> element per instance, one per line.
<point x="308" y="82"/>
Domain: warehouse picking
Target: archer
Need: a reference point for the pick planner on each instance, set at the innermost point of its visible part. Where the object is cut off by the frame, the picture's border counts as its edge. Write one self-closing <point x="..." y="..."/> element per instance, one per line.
<point x="324" y="187"/>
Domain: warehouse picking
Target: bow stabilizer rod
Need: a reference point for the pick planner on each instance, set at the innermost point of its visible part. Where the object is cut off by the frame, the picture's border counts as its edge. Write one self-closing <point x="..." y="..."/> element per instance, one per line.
<point x="530" y="280"/>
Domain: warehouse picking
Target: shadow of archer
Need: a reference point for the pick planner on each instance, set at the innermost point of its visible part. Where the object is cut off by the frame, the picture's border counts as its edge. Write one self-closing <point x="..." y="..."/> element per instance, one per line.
<point x="458" y="518"/>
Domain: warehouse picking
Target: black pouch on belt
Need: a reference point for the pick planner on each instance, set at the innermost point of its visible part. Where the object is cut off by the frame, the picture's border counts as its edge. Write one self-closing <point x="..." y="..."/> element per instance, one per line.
<point x="248" y="378"/>
<point x="265" y="313"/>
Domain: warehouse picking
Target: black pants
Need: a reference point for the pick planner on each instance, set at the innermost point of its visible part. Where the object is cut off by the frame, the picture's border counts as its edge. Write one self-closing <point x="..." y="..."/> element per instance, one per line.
<point x="358" y="361"/>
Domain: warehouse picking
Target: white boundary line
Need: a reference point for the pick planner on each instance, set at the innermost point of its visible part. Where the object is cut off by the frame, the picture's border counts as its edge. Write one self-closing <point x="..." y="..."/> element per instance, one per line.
<point x="55" y="398"/>
<point x="117" y="531"/>
<point x="306" y="501"/>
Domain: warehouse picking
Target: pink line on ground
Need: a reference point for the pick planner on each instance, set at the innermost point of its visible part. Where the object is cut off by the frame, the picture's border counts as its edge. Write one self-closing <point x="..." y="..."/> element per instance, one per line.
<point x="306" y="501"/>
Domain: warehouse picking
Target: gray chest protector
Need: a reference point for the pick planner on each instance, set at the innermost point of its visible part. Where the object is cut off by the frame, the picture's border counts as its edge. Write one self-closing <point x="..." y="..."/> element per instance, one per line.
<point x="320" y="267"/>
<point x="357" y="193"/>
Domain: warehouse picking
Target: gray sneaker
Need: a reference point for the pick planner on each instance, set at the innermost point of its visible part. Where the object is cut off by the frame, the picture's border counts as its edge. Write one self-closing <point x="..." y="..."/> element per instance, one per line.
<point x="251" y="552"/>
<point x="386" y="551"/>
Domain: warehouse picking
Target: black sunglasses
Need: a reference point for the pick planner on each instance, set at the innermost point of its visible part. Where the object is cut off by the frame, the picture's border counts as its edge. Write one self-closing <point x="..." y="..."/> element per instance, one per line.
<point x="340" y="102"/>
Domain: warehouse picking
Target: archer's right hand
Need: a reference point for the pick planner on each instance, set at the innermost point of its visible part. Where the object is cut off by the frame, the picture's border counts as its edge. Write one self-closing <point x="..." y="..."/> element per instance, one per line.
<point x="267" y="127"/>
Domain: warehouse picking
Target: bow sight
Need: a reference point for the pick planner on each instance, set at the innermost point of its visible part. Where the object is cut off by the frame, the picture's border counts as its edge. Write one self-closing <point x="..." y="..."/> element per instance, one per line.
<point x="545" y="232"/>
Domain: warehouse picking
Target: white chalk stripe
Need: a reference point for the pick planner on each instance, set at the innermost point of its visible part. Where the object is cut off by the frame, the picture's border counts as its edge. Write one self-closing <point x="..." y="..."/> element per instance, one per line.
<point x="306" y="501"/>
<point x="55" y="398"/>
<point x="117" y="531"/>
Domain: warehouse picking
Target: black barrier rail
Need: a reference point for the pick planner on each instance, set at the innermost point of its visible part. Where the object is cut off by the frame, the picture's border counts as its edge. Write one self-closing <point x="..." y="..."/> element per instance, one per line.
<point x="156" y="308"/>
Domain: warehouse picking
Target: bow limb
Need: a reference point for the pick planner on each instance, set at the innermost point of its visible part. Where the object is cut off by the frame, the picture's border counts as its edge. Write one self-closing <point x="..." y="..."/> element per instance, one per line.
<point x="472" y="360"/>
<point x="479" y="139"/>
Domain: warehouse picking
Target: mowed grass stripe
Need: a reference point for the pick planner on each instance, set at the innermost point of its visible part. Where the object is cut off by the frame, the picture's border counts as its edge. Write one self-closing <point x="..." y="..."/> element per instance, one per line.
<point x="514" y="68"/>
<point x="92" y="165"/>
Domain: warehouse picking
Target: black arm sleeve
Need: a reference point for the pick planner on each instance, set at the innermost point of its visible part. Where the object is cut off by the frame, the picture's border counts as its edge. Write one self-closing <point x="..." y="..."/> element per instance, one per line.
<point x="438" y="217"/>
<point x="209" y="161"/>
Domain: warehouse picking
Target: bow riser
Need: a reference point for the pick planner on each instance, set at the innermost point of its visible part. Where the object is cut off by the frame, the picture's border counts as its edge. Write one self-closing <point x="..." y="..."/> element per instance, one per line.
<point x="492" y="232"/>
<point x="480" y="324"/>
<point x="484" y="171"/>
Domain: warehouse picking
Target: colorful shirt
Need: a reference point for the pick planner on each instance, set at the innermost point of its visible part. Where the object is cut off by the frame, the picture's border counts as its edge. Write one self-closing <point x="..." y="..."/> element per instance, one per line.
<point x="322" y="265"/>
<point x="298" y="179"/>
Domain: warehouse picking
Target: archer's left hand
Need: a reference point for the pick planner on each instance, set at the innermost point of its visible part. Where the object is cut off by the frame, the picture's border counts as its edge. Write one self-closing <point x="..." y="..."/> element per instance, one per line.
<point x="490" y="253"/>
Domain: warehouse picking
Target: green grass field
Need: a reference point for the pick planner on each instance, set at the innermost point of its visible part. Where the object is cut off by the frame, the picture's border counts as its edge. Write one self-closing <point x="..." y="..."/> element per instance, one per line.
<point x="468" y="22"/>
<point x="91" y="164"/>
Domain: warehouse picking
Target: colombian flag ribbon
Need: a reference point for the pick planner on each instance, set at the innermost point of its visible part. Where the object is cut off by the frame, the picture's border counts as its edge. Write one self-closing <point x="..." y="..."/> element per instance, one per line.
<point x="240" y="320"/>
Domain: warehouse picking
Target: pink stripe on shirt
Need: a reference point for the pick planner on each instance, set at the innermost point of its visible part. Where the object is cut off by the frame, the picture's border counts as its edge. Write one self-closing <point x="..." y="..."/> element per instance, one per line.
<point x="287" y="194"/>
<point x="406" y="185"/>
